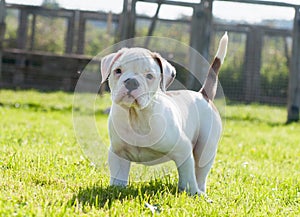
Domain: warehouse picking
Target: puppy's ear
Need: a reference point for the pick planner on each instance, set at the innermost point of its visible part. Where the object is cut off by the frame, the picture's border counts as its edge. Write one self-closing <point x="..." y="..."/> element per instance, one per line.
<point x="107" y="62"/>
<point x="168" y="72"/>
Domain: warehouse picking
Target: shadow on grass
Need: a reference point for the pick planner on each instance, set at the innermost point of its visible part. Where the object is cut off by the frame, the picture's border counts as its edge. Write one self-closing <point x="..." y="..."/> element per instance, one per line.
<point x="104" y="196"/>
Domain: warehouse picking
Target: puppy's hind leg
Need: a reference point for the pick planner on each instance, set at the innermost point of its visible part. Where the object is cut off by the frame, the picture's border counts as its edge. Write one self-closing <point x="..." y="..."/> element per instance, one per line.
<point x="202" y="173"/>
<point x="204" y="154"/>
<point x="206" y="146"/>
<point x="119" y="169"/>
<point x="184" y="160"/>
<point x="187" y="179"/>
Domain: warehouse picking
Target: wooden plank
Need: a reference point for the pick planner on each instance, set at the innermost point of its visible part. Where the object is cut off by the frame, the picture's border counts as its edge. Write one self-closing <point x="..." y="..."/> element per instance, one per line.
<point x="18" y="77"/>
<point x="32" y="36"/>
<point x="169" y="2"/>
<point x="127" y="20"/>
<point x="42" y="71"/>
<point x="81" y="34"/>
<point x="184" y="21"/>
<point x="2" y="11"/>
<point x="42" y="11"/>
<point x="152" y="25"/>
<point x="253" y="64"/>
<point x="109" y="23"/>
<point x="202" y="27"/>
<point x="248" y="65"/>
<point x="244" y="28"/>
<point x="257" y="2"/>
<point x="258" y="44"/>
<point x="122" y="26"/>
<point x="70" y="34"/>
<point x="231" y="28"/>
<point x="261" y="2"/>
<point x="101" y="16"/>
<point x="294" y="78"/>
<point x="22" y="30"/>
<point x="14" y="52"/>
<point x="132" y="19"/>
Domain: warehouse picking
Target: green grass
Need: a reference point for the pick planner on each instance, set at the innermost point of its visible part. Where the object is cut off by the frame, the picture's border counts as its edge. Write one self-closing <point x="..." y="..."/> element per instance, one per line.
<point x="44" y="172"/>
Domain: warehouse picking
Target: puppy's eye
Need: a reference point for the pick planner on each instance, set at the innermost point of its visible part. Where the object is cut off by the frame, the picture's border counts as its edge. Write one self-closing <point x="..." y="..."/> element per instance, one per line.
<point x="149" y="76"/>
<point x="118" y="71"/>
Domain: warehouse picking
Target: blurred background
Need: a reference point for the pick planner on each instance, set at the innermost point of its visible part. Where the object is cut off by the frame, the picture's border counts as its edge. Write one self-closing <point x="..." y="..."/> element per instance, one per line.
<point x="45" y="44"/>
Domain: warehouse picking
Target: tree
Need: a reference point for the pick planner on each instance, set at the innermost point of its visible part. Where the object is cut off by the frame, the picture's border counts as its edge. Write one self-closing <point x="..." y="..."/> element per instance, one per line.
<point x="50" y="4"/>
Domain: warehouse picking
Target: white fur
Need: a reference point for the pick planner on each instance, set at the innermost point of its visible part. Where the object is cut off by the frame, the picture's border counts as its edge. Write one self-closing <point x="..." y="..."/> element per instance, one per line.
<point x="150" y="126"/>
<point x="222" y="50"/>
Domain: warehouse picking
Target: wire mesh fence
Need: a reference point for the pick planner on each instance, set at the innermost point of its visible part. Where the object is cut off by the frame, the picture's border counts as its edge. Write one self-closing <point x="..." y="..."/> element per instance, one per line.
<point x="256" y="68"/>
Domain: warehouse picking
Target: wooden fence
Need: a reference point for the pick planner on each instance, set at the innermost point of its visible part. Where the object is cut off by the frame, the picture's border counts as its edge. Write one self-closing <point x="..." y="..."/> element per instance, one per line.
<point x="23" y="67"/>
<point x="42" y="71"/>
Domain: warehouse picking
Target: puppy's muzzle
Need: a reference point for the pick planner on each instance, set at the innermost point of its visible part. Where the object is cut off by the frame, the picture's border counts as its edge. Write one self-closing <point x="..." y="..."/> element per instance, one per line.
<point x="131" y="84"/>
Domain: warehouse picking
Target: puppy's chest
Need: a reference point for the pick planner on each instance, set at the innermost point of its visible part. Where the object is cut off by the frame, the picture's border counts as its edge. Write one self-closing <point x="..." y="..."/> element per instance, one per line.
<point x="138" y="154"/>
<point x="139" y="147"/>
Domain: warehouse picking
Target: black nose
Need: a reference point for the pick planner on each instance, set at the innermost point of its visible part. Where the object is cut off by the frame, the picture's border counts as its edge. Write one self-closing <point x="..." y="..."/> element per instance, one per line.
<point x="131" y="84"/>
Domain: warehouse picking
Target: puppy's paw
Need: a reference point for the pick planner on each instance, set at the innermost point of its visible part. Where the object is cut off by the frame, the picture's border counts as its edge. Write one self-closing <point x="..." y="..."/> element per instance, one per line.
<point x="190" y="191"/>
<point x="208" y="200"/>
<point x="118" y="182"/>
<point x="204" y="196"/>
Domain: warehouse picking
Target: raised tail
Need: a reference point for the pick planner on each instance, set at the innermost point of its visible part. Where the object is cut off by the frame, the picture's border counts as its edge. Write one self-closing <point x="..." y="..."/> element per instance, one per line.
<point x="209" y="87"/>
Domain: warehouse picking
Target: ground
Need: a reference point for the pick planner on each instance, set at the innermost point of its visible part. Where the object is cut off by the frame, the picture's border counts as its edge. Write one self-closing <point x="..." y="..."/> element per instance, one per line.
<point x="44" y="171"/>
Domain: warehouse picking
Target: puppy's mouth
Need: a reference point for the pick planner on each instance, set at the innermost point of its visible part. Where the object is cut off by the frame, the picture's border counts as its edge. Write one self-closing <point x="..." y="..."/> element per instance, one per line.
<point x="134" y="102"/>
<point x="130" y="100"/>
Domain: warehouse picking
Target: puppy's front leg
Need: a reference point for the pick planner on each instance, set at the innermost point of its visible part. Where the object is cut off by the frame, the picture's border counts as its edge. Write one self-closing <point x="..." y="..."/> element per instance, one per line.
<point x="119" y="169"/>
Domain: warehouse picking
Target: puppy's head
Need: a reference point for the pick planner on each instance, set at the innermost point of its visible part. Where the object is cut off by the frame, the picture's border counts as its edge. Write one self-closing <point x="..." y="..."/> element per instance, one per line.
<point x="135" y="75"/>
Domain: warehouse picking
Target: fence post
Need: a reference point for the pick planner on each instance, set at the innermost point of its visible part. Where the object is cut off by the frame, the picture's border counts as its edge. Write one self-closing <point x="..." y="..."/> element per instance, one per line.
<point x="127" y="20"/>
<point x="2" y="31"/>
<point x="69" y="40"/>
<point x="32" y="36"/>
<point x="294" y="78"/>
<point x="81" y="33"/>
<point x="201" y="29"/>
<point x="18" y="76"/>
<point x="253" y="64"/>
<point x="22" y="29"/>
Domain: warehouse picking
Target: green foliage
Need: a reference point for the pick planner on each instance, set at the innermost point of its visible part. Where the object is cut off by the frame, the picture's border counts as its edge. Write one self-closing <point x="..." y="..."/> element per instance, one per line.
<point x="97" y="39"/>
<point x="274" y="70"/>
<point x="52" y="4"/>
<point x="44" y="172"/>
<point x="231" y="74"/>
<point x="11" y="29"/>
<point x="50" y="34"/>
<point x="176" y="31"/>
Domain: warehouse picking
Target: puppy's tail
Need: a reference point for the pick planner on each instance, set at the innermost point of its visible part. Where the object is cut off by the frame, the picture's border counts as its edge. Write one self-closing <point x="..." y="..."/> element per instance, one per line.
<point x="209" y="87"/>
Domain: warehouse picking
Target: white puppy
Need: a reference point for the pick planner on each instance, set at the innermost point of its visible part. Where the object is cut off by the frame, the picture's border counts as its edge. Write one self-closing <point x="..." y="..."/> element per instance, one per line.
<point x="150" y="125"/>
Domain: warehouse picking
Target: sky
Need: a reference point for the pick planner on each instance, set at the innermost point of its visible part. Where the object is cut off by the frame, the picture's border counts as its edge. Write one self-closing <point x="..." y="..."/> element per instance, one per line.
<point x="225" y="10"/>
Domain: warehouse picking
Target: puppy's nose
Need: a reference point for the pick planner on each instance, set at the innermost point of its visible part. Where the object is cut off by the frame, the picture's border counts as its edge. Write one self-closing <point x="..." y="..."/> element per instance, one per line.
<point x="131" y="84"/>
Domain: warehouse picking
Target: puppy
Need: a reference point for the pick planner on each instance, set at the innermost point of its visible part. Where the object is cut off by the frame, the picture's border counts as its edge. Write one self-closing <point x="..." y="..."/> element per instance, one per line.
<point x="150" y="125"/>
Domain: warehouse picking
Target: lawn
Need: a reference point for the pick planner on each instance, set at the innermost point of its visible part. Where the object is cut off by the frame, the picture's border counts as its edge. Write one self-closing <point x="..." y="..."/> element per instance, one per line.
<point x="44" y="171"/>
